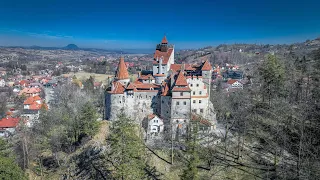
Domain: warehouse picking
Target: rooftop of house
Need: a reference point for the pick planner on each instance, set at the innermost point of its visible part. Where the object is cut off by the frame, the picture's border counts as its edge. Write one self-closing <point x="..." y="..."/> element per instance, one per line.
<point x="9" y="122"/>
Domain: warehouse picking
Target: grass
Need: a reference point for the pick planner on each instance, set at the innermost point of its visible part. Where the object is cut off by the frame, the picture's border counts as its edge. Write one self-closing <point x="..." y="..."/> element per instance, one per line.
<point x="85" y="75"/>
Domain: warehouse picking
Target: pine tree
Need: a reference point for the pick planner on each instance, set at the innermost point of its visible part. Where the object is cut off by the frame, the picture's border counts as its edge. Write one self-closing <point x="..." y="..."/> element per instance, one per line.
<point x="127" y="150"/>
<point x="272" y="81"/>
<point x="191" y="171"/>
<point x="9" y="170"/>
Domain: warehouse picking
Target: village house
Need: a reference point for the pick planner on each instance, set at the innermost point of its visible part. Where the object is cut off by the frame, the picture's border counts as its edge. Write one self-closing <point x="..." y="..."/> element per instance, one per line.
<point x="31" y="109"/>
<point x="8" y="126"/>
<point x="154" y="127"/>
<point x="33" y="91"/>
<point x="234" y="84"/>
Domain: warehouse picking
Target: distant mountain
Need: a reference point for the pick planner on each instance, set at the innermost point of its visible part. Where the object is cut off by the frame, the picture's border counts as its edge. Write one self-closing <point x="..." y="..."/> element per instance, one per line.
<point x="71" y="47"/>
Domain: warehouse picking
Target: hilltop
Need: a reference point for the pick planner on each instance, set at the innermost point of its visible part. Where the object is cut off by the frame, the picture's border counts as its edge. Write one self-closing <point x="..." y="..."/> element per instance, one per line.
<point x="71" y="47"/>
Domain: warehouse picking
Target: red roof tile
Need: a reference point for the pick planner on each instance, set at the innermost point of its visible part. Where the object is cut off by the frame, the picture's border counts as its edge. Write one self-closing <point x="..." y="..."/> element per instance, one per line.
<point x="181" y="80"/>
<point x="130" y="86"/>
<point x="231" y="81"/>
<point x="164" y="40"/>
<point x="146" y="77"/>
<point x="118" y="88"/>
<point x="160" y="75"/>
<point x="9" y="122"/>
<point x="165" y="55"/>
<point x="200" y="119"/>
<point x="122" y="72"/>
<point x="206" y="66"/>
<point x="175" y="67"/>
<point x="151" y="116"/>
<point x="181" y="89"/>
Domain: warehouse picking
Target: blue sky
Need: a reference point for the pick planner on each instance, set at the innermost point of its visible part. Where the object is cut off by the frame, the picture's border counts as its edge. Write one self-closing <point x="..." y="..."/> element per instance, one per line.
<point x="142" y="23"/>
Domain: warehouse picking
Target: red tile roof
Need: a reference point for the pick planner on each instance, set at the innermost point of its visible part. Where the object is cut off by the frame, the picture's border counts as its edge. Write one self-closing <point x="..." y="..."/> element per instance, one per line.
<point x="146" y="77"/>
<point x="122" y="72"/>
<point x="206" y="66"/>
<point x="164" y="40"/>
<point x="151" y="116"/>
<point x="200" y="119"/>
<point x="31" y="99"/>
<point x="175" y="67"/>
<point x="118" y="88"/>
<point x="23" y="82"/>
<point x="9" y="122"/>
<point x="181" y="80"/>
<point x="130" y="86"/>
<point x="146" y="86"/>
<point x="160" y="75"/>
<point x="166" y="55"/>
<point x="231" y="81"/>
<point x="181" y="89"/>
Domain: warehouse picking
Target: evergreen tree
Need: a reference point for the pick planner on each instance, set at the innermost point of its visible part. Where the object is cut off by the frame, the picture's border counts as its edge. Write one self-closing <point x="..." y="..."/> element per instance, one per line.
<point x="272" y="78"/>
<point x="191" y="171"/>
<point x="88" y="120"/>
<point x="9" y="170"/>
<point x="127" y="154"/>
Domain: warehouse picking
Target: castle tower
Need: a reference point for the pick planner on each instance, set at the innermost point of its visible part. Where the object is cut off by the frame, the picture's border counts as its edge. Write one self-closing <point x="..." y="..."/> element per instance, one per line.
<point x="181" y="104"/>
<point x="207" y="74"/>
<point x="163" y="58"/>
<point x="122" y="74"/>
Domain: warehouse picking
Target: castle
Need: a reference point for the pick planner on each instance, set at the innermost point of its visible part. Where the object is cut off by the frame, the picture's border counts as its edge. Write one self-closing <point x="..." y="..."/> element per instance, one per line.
<point x="173" y="93"/>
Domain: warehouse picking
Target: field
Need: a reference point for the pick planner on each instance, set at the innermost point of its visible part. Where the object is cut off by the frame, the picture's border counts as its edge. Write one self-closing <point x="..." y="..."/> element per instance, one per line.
<point x="85" y="75"/>
<point x="98" y="77"/>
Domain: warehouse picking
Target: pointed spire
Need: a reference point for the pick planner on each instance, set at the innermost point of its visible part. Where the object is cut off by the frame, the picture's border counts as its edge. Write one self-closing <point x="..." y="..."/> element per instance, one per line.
<point x="181" y="79"/>
<point x="164" y="40"/>
<point x="206" y="66"/>
<point x="122" y="72"/>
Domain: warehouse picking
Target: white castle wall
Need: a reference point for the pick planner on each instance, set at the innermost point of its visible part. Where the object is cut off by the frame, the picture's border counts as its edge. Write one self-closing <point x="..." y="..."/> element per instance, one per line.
<point x="198" y="96"/>
<point x="137" y="105"/>
<point x="180" y="105"/>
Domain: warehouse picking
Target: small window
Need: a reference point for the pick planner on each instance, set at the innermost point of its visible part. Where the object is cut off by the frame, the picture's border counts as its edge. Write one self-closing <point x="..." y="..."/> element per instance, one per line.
<point x="181" y="93"/>
<point x="194" y="93"/>
<point x="194" y="110"/>
<point x="194" y="101"/>
<point x="120" y="102"/>
<point x="197" y="85"/>
<point x="201" y="110"/>
<point x="184" y="103"/>
<point x="177" y="103"/>
<point x="191" y="85"/>
<point x="199" y="101"/>
<point x="162" y="101"/>
<point x="200" y="92"/>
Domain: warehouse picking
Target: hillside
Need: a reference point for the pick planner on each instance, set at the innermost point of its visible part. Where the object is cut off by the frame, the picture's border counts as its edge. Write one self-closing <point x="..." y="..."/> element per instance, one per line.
<point x="244" y="53"/>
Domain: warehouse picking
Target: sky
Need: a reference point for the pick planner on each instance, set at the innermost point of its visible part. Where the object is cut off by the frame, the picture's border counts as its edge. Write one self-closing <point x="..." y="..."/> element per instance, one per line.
<point x="141" y="24"/>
